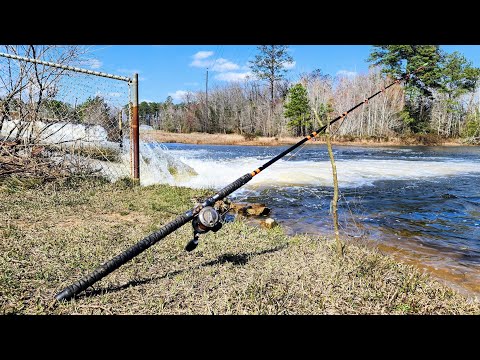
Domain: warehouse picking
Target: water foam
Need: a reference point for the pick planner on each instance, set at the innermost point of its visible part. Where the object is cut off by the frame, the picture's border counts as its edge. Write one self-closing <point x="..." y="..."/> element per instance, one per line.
<point x="179" y="167"/>
<point x="351" y="173"/>
<point x="59" y="132"/>
<point x="156" y="164"/>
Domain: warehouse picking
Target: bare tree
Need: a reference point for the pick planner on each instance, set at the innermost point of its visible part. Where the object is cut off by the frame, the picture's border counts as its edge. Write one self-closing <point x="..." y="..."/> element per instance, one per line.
<point x="246" y="107"/>
<point x="30" y="90"/>
<point x="47" y="124"/>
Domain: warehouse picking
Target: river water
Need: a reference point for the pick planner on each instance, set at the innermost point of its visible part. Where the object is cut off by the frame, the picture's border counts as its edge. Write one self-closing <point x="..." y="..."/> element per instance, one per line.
<point x="422" y="204"/>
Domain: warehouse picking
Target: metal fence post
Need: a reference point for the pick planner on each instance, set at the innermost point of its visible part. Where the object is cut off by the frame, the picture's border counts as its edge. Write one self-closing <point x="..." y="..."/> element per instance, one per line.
<point x="120" y="127"/>
<point x="135" y="141"/>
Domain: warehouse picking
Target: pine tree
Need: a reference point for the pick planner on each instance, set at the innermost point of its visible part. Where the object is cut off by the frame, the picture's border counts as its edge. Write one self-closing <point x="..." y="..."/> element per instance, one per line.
<point x="397" y="60"/>
<point x="297" y="109"/>
<point x="270" y="64"/>
<point x="450" y="74"/>
<point x="458" y="76"/>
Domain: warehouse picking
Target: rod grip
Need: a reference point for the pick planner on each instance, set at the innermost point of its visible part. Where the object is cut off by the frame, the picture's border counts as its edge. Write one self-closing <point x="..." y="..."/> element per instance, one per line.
<point x="113" y="264"/>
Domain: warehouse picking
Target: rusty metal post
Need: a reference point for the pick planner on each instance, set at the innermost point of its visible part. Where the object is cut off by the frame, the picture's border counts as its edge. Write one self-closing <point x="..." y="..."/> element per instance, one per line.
<point x="120" y="127"/>
<point x="135" y="141"/>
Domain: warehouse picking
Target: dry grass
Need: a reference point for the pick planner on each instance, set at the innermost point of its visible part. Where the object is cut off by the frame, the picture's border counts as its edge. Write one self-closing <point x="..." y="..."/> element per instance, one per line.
<point x="235" y="139"/>
<point x="32" y="164"/>
<point x="51" y="236"/>
<point x="216" y="139"/>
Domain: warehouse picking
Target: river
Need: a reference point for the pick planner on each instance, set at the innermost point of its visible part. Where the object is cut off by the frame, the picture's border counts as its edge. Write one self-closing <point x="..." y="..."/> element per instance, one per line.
<point x="421" y="204"/>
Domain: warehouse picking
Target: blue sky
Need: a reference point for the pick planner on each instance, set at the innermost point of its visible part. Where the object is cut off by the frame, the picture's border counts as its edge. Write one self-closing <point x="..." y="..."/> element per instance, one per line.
<point x="174" y="69"/>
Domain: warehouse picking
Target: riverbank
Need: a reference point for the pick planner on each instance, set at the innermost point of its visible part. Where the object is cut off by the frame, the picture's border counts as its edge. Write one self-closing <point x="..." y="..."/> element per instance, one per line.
<point x="55" y="234"/>
<point x="236" y="139"/>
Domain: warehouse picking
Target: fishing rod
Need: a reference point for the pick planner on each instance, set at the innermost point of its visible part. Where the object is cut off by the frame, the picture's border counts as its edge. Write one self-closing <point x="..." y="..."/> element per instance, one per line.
<point x="204" y="216"/>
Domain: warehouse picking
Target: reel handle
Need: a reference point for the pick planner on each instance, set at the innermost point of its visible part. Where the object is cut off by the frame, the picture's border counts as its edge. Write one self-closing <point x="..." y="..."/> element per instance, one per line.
<point x="192" y="244"/>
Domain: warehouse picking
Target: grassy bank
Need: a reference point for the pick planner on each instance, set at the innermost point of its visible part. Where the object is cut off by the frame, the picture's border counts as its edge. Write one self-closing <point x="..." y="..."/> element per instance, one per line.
<point x="51" y="236"/>
<point x="236" y="139"/>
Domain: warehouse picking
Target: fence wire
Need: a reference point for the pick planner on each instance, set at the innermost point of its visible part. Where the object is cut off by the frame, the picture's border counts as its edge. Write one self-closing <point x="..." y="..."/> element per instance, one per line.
<point x="59" y="122"/>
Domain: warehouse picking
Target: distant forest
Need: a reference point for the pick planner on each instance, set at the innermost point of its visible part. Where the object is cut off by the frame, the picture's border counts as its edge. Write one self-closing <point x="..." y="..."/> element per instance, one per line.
<point x="442" y="99"/>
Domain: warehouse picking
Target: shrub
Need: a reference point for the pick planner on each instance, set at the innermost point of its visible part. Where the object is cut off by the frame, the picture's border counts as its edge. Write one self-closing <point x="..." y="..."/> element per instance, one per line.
<point x="249" y="136"/>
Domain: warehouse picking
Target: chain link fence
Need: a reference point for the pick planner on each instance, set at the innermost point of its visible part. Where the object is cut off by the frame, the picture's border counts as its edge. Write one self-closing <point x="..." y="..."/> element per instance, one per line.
<point x="58" y="120"/>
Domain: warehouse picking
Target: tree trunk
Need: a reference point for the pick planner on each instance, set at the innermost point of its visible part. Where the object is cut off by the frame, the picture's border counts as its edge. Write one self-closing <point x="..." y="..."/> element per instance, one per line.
<point x="335" y="192"/>
<point x="334" y="202"/>
<point x="271" y="93"/>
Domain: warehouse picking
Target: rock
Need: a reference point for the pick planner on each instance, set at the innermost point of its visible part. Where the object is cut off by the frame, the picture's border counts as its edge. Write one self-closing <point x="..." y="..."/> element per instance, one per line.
<point x="269" y="223"/>
<point x="250" y="209"/>
<point x="258" y="209"/>
<point x="238" y="208"/>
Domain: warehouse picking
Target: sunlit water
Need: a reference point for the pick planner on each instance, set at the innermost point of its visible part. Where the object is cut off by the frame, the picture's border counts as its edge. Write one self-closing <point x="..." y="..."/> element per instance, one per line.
<point x="421" y="203"/>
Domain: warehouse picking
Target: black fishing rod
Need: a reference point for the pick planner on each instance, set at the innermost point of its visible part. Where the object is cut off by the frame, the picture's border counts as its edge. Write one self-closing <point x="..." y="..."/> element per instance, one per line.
<point x="204" y="216"/>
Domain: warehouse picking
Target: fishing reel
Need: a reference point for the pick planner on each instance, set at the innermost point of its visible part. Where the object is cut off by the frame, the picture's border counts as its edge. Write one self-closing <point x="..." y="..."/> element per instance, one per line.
<point x="209" y="218"/>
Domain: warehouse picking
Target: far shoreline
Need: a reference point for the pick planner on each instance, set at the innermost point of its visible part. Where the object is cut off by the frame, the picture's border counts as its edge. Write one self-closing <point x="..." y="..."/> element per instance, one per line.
<point x="240" y="140"/>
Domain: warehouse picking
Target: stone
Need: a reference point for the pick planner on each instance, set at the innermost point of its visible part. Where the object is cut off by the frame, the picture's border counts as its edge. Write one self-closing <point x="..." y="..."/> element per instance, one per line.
<point x="258" y="209"/>
<point x="239" y="208"/>
<point x="269" y="223"/>
<point x="255" y="209"/>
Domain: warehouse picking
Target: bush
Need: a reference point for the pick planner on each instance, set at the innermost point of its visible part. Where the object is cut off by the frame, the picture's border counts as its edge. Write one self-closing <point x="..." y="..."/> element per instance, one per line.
<point x="428" y="139"/>
<point x="472" y="128"/>
<point x="249" y="136"/>
<point x="378" y="138"/>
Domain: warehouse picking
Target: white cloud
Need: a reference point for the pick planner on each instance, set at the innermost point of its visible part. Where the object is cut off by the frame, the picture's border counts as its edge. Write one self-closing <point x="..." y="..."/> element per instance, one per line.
<point x="178" y="95"/>
<point x="92" y="63"/>
<point x="234" y="76"/>
<point x="347" y="73"/>
<point x="289" y="65"/>
<point x="202" y="55"/>
<point x="222" y="65"/>
<point x="202" y="59"/>
<point x="110" y="95"/>
<point x="201" y="63"/>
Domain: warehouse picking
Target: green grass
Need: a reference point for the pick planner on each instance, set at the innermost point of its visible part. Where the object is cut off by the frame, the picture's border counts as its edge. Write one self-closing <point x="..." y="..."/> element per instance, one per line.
<point x="53" y="235"/>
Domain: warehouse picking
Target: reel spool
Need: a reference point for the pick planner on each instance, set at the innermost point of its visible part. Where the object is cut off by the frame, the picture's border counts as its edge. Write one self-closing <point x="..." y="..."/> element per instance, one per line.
<point x="207" y="219"/>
